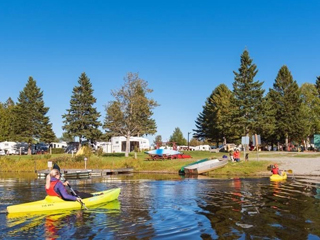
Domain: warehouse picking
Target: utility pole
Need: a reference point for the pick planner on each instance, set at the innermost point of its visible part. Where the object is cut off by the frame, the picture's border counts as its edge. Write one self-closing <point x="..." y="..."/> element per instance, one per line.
<point x="188" y="140"/>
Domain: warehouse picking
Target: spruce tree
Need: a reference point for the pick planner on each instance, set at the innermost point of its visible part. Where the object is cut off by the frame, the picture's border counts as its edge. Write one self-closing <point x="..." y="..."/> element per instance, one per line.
<point x="158" y="139"/>
<point x="31" y="123"/>
<point x="130" y="114"/>
<point x="6" y="120"/>
<point x="81" y="119"/>
<point x="248" y="96"/>
<point x="266" y="125"/>
<point x="287" y="102"/>
<point x="311" y="108"/>
<point x="214" y="123"/>
<point x="177" y="137"/>
<point x="317" y="85"/>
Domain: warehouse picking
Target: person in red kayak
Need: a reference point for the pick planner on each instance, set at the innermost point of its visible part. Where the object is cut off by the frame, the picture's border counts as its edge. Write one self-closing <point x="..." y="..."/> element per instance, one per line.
<point x="56" y="188"/>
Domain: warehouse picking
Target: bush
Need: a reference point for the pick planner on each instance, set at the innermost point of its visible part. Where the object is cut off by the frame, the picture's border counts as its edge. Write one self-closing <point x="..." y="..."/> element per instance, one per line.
<point x="57" y="150"/>
<point x="99" y="152"/>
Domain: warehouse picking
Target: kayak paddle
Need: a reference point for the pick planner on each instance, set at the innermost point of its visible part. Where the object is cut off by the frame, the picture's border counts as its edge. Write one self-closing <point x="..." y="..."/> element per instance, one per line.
<point x="75" y="194"/>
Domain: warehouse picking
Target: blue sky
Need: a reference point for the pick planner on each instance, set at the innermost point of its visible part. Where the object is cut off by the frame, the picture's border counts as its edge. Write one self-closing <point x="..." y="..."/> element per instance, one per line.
<point x="184" y="49"/>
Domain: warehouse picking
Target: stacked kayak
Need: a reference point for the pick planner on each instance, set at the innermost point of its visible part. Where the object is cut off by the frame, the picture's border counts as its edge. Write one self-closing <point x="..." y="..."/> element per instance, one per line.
<point x="52" y="203"/>
<point x="277" y="177"/>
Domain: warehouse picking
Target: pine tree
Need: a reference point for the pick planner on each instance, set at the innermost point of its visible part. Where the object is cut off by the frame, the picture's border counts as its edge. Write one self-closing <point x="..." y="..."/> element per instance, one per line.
<point x="248" y="96"/>
<point x="317" y="85"/>
<point x="177" y="137"/>
<point x="158" y="139"/>
<point x="266" y="125"/>
<point x="66" y="137"/>
<point x="287" y="102"/>
<point x="311" y="108"/>
<point x="31" y="123"/>
<point x="131" y="111"/>
<point x="214" y="123"/>
<point x="6" y="120"/>
<point x="47" y="135"/>
<point x="81" y="120"/>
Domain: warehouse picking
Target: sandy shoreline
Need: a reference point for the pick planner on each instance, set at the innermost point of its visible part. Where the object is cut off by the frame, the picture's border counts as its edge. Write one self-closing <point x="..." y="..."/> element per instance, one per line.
<point x="299" y="166"/>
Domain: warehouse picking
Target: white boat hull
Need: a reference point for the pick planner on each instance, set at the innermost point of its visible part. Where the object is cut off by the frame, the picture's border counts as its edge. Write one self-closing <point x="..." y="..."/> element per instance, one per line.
<point x="205" y="166"/>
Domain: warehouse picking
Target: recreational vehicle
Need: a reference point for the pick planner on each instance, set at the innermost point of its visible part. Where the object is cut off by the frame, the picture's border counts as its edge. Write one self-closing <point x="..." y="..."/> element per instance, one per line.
<point x="59" y="145"/>
<point x="9" y="147"/>
<point x="119" y="144"/>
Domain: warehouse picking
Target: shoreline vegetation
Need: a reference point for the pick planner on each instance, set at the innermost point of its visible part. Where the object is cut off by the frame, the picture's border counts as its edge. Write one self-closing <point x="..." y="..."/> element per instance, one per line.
<point x="256" y="166"/>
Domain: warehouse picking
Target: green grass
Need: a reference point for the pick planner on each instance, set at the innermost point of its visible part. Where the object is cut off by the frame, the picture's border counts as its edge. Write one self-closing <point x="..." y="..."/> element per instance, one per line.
<point x="141" y="164"/>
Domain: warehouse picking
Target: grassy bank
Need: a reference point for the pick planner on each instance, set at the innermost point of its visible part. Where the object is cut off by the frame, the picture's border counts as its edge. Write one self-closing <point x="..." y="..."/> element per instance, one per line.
<point x="141" y="164"/>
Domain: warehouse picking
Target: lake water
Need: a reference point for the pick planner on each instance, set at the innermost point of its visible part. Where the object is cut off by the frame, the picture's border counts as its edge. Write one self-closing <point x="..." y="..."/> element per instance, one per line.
<point x="171" y="207"/>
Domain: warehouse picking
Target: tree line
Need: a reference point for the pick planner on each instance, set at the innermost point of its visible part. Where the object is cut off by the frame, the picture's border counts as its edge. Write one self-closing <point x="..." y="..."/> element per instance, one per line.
<point x="129" y="114"/>
<point x="286" y="113"/>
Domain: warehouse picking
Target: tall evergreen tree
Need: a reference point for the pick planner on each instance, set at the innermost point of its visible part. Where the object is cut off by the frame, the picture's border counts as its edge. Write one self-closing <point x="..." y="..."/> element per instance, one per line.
<point x="248" y="96"/>
<point x="311" y="108"/>
<point x="81" y="120"/>
<point x="131" y="111"/>
<point x="177" y="137"/>
<point x="6" y="120"/>
<point x="66" y="137"/>
<point x="214" y="123"/>
<point x="31" y="123"/>
<point x="317" y="85"/>
<point x="158" y="139"/>
<point x="286" y="99"/>
<point x="266" y="125"/>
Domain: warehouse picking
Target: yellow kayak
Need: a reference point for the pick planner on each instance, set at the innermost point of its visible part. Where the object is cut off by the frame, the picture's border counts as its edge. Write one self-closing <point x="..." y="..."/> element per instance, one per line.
<point x="51" y="203"/>
<point x="277" y="177"/>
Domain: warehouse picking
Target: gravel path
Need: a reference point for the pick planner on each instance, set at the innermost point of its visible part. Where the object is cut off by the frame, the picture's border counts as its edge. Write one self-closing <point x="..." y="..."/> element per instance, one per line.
<point x="299" y="166"/>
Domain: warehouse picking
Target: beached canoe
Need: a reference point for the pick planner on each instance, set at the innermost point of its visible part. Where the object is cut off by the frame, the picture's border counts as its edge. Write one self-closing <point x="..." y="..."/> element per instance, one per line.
<point x="277" y="177"/>
<point x="51" y="203"/>
<point x="205" y="166"/>
<point x="181" y="171"/>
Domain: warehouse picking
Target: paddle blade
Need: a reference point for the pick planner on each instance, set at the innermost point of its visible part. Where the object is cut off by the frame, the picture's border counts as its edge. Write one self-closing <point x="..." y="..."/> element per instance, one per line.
<point x="289" y="171"/>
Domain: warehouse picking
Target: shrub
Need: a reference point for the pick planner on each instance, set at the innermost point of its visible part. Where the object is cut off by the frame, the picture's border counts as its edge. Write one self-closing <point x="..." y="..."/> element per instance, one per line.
<point x="99" y="152"/>
<point x="57" y="150"/>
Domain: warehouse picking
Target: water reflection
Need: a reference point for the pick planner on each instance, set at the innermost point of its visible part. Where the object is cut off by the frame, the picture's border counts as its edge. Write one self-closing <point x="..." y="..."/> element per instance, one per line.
<point x="173" y="207"/>
<point x="56" y="224"/>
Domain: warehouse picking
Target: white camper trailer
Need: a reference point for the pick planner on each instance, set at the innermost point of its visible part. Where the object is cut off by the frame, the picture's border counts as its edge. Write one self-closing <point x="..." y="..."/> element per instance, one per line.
<point x="119" y="144"/>
<point x="105" y="146"/>
<point x="9" y="147"/>
<point x="59" y="145"/>
<point x="202" y="148"/>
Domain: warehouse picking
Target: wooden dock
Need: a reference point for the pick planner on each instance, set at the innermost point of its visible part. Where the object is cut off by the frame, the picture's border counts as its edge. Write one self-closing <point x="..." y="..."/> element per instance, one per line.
<point x="104" y="172"/>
